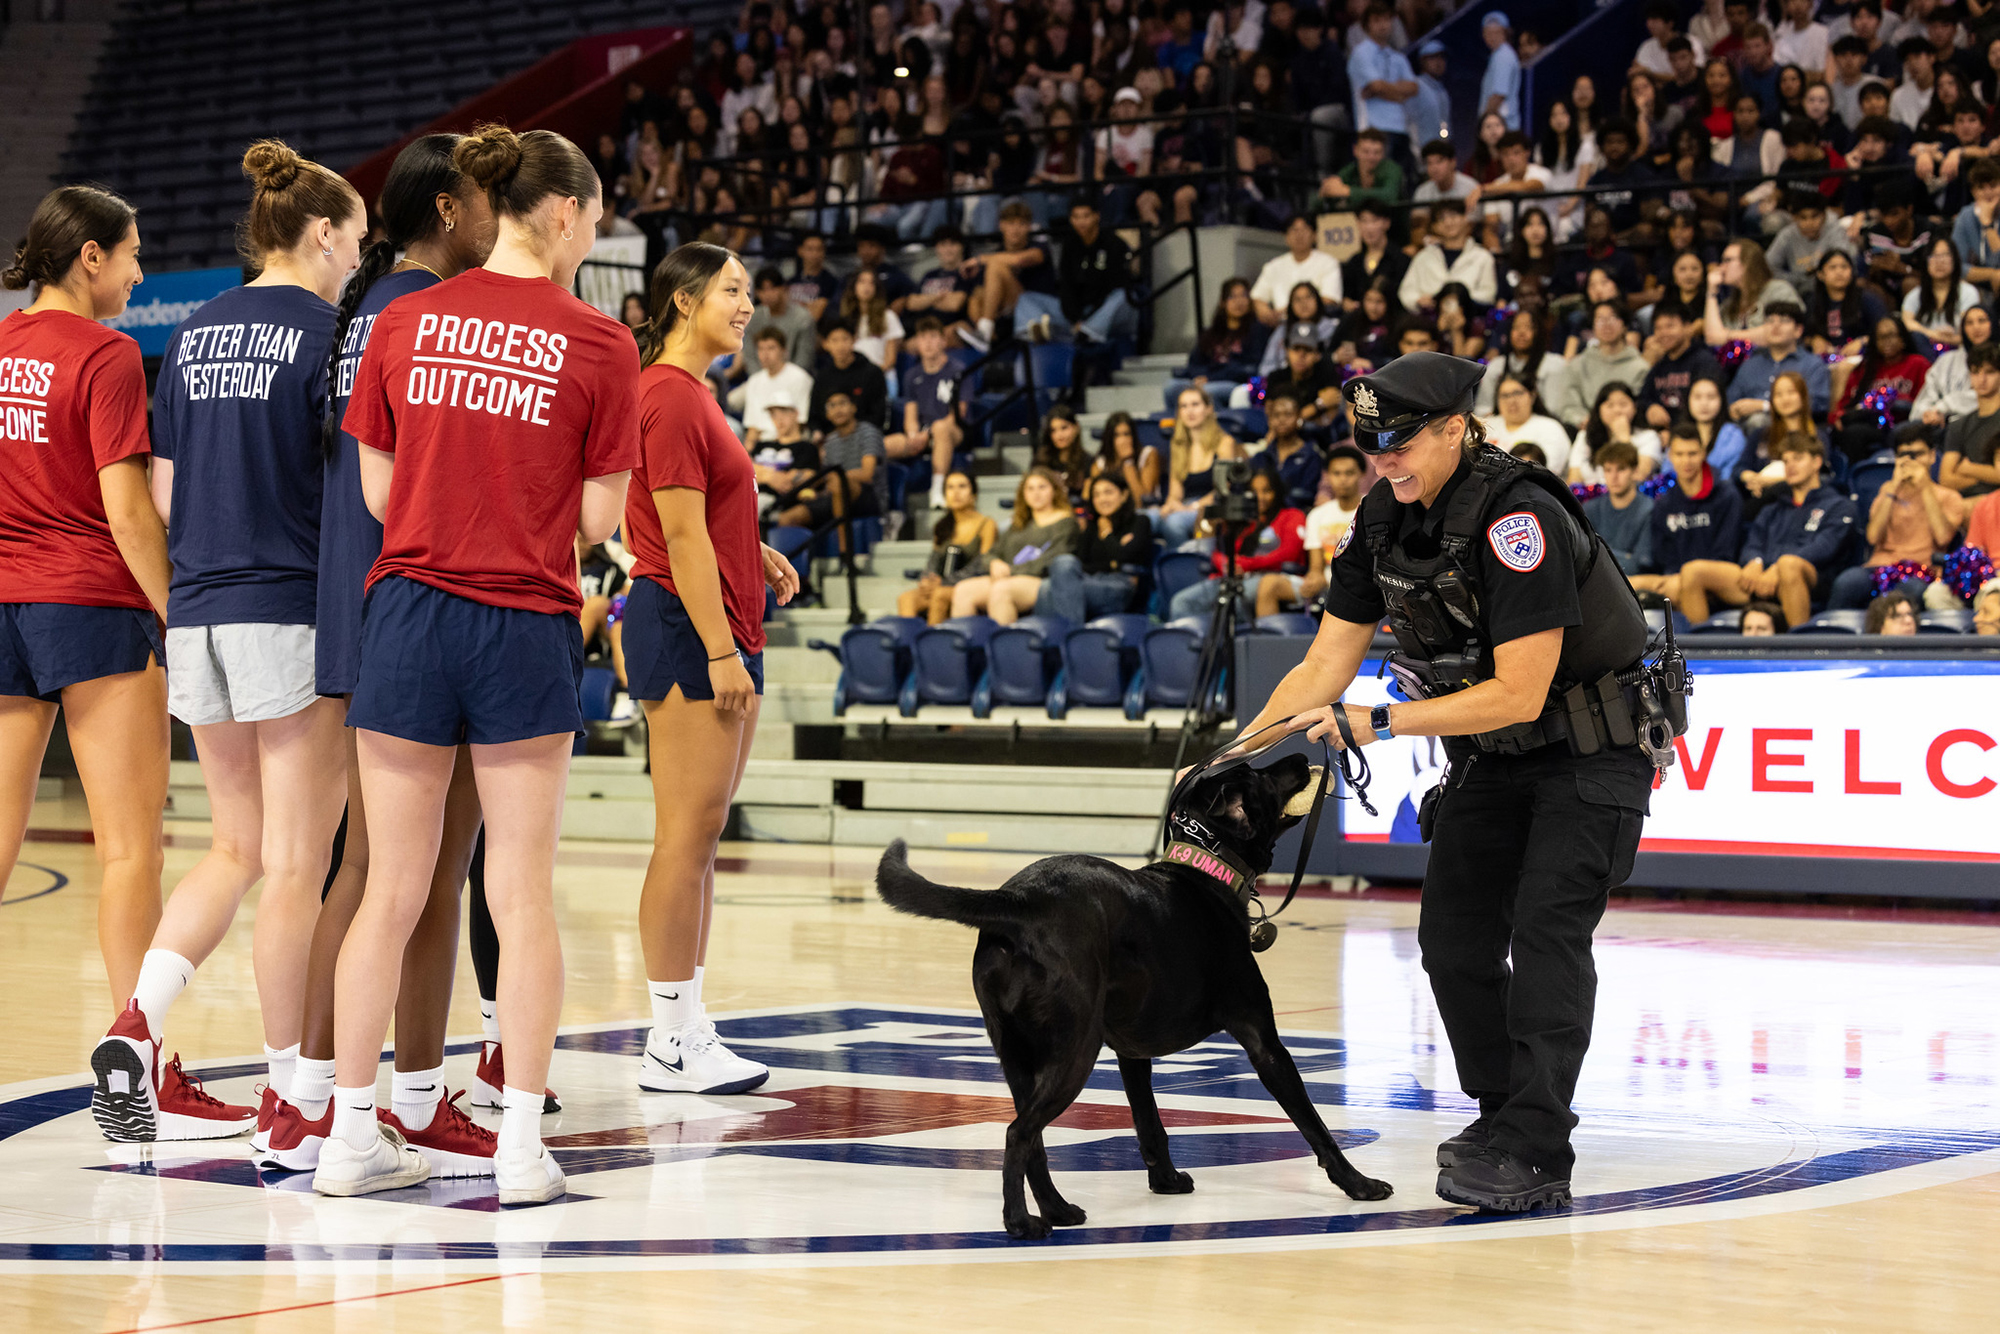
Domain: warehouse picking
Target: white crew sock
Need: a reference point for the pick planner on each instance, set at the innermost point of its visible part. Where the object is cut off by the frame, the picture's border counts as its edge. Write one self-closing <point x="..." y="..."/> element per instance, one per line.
<point x="520" y="1120"/>
<point x="311" y="1086"/>
<point x="675" y="1004"/>
<point x="280" y="1062"/>
<point x="985" y="328"/>
<point x="163" y="975"/>
<point x="354" y="1117"/>
<point x="489" y="1019"/>
<point x="413" y="1096"/>
<point x="700" y="972"/>
<point x="937" y="492"/>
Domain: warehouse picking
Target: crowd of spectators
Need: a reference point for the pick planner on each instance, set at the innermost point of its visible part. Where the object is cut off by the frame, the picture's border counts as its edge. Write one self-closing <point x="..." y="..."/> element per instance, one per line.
<point x="1741" y="302"/>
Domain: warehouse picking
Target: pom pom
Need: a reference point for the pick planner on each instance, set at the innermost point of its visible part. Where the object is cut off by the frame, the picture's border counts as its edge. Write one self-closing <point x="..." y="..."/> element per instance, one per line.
<point x="1881" y="400"/>
<point x="617" y="609"/>
<point x="1658" y="484"/>
<point x="1966" y="571"/>
<point x="1888" y="577"/>
<point x="1256" y="389"/>
<point x="1586" y="490"/>
<point x="1731" y="354"/>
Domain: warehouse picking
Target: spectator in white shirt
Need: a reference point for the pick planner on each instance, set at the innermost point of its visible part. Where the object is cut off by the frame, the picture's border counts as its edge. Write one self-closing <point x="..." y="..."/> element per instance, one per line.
<point x="1800" y="41"/>
<point x="1451" y="257"/>
<point x="1442" y="180"/>
<point x="1913" y="97"/>
<point x="1517" y="175"/>
<point x="1662" y="24"/>
<point x="776" y="375"/>
<point x="1303" y="262"/>
<point x="1517" y="421"/>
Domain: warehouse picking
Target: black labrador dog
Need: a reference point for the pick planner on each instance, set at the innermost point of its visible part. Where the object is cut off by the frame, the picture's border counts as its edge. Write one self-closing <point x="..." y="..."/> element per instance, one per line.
<point x="1076" y="953"/>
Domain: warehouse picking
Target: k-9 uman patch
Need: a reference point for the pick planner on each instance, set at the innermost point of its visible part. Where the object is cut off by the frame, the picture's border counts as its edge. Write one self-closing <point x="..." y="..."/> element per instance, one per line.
<point x="1517" y="541"/>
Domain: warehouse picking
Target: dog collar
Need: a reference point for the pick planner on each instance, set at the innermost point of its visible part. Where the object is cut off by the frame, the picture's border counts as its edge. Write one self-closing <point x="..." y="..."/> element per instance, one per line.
<point x="1212" y="864"/>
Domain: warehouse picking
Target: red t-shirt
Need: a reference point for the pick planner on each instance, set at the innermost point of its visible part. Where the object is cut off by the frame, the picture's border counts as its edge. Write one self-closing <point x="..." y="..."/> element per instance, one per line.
<point x="497" y="396"/>
<point x="684" y="441"/>
<point x="72" y="401"/>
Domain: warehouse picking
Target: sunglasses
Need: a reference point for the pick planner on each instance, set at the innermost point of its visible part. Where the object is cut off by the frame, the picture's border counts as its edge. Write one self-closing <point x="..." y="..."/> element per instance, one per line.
<point x="1911" y="453"/>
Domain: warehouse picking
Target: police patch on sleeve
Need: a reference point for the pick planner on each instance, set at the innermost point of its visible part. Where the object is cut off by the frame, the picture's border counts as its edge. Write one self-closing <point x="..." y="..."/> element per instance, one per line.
<point x="1517" y="541"/>
<point x="1346" y="536"/>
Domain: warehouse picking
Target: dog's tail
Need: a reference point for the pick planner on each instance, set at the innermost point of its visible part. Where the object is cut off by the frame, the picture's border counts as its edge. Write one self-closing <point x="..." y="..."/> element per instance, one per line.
<point x="904" y="890"/>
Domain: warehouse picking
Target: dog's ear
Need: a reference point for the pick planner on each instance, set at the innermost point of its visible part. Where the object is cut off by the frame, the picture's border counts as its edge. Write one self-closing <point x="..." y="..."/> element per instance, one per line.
<point x="1228" y="813"/>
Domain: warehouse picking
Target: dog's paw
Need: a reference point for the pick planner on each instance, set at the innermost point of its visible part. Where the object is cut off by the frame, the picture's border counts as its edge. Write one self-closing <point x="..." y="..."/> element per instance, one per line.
<point x="1366" y="1188"/>
<point x="1177" y="1183"/>
<point x="1027" y="1228"/>
<point x="1064" y="1214"/>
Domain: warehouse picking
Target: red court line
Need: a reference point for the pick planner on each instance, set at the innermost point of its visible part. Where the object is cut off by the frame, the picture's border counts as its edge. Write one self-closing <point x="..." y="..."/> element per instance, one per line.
<point x="310" y="1306"/>
<point x="1747" y="849"/>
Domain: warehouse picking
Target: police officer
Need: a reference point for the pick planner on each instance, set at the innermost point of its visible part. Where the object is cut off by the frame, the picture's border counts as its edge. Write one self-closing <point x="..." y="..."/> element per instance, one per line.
<point x="1514" y="623"/>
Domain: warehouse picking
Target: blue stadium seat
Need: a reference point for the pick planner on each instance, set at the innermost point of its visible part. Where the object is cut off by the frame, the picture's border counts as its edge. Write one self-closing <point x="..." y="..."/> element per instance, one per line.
<point x="875" y="660"/>
<point x="1728" y="621"/>
<point x="949" y="660"/>
<point x="1868" y="476"/>
<point x="1288" y="623"/>
<point x="1171" y="657"/>
<point x="867" y="532"/>
<point x="1246" y="424"/>
<point x="1656" y="620"/>
<point x="1955" y="622"/>
<point x="1177" y="570"/>
<point x="1022" y="662"/>
<point x="1833" y="623"/>
<point x="1098" y="661"/>
<point x="792" y="543"/>
<point x="594" y="693"/>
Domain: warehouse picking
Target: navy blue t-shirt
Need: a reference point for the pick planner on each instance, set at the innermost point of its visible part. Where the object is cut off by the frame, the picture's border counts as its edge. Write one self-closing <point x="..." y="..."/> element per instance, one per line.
<point x="241" y="398"/>
<point x="943" y="282"/>
<point x="350" y="538"/>
<point x="932" y="393"/>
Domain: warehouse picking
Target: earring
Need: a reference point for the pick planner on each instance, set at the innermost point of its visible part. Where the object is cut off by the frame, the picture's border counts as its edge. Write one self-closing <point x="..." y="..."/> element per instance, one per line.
<point x="324" y="251"/>
<point x="567" y="235"/>
<point x="449" y="224"/>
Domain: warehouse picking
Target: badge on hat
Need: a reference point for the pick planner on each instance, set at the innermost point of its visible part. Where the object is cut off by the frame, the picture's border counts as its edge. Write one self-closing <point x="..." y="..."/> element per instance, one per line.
<point x="1517" y="541"/>
<point x="1363" y="399"/>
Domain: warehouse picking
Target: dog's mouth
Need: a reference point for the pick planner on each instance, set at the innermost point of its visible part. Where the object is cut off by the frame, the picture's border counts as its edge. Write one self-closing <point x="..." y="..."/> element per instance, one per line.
<point x="1301" y="804"/>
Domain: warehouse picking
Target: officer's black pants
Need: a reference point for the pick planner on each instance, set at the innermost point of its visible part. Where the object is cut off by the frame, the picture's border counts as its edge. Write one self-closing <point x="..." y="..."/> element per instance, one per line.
<point x="1525" y="851"/>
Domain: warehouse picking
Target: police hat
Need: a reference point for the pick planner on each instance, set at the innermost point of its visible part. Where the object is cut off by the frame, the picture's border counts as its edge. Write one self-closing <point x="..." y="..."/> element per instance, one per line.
<point x="1391" y="405"/>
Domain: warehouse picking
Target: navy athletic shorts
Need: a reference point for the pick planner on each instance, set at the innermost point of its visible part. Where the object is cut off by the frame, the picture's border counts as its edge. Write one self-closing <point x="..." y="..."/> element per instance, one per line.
<point x="663" y="651"/>
<point x="442" y="669"/>
<point x="45" y="646"/>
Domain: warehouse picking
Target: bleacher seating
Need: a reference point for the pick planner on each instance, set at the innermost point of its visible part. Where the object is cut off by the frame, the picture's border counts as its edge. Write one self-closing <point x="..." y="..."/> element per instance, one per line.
<point x="1099" y="661"/>
<point x="183" y="88"/>
<point x="1833" y="623"/>
<point x="1171" y="659"/>
<point x="1957" y="622"/>
<point x="949" y="661"/>
<point x="1022" y="661"/>
<point x="875" y="661"/>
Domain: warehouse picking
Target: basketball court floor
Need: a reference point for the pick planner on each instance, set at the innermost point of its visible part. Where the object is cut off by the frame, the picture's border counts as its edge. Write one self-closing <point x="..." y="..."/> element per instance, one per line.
<point x="1789" y="1123"/>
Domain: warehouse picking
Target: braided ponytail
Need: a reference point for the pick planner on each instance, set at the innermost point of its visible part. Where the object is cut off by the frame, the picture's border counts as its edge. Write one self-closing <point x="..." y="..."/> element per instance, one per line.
<point x="421" y="173"/>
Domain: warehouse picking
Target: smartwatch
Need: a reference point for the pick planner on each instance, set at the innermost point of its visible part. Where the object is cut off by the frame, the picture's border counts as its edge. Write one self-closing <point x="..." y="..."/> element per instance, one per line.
<point x="1378" y="718"/>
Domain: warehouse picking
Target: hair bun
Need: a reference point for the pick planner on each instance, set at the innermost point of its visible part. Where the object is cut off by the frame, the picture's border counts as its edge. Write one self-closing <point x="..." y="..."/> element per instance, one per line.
<point x="271" y="164"/>
<point x="490" y="156"/>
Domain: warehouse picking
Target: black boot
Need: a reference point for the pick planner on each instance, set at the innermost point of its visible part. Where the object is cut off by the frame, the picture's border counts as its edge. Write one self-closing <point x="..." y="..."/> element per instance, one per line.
<point x="1466" y="1142"/>
<point x="1498" y="1181"/>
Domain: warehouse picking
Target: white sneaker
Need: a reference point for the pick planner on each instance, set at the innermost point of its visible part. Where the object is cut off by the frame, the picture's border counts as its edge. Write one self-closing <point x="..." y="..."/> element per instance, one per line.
<point x="387" y="1164"/>
<point x="622" y="708"/>
<point x="692" y="1059"/>
<point x="528" y="1180"/>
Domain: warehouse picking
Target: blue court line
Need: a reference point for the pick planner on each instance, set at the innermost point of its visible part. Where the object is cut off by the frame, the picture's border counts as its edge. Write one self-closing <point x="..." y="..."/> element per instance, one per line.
<point x="1761" y="1182"/>
<point x="61" y="880"/>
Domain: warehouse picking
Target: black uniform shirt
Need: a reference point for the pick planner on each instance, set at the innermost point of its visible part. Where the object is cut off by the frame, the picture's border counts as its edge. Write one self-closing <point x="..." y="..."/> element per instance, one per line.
<point x="1524" y="562"/>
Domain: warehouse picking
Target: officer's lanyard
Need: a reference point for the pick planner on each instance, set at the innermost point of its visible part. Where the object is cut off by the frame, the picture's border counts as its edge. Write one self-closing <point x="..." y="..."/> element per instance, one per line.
<point x="1356" y="776"/>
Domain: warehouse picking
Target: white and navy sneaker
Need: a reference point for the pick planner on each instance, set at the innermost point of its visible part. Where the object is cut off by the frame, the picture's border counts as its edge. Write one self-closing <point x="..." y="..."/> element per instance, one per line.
<point x="526" y="1179"/>
<point x="692" y="1059"/>
<point x="386" y="1164"/>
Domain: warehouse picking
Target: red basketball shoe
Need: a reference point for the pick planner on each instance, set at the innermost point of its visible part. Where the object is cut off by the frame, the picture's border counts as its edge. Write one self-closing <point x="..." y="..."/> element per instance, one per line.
<point x="453" y="1143"/>
<point x="492" y="1077"/>
<point x="295" y="1142"/>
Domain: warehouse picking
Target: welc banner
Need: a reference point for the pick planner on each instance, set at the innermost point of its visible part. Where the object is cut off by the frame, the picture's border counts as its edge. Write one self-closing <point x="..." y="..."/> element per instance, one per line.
<point x="160" y="303"/>
<point x="1863" y="757"/>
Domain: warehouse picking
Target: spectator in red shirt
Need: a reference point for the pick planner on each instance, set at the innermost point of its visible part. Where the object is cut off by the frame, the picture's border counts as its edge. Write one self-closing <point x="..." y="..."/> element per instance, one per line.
<point x="694" y="645"/>
<point x="83" y="558"/>
<point x="1887" y="364"/>
<point x="1275" y="543"/>
<point x="496" y="416"/>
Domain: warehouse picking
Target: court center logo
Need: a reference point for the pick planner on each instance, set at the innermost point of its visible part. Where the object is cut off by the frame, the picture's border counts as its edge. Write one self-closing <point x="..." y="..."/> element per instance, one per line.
<point x="878" y="1138"/>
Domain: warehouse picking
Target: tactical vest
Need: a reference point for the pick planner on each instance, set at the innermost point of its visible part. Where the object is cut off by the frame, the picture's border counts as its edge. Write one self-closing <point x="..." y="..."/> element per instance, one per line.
<point x="1435" y="611"/>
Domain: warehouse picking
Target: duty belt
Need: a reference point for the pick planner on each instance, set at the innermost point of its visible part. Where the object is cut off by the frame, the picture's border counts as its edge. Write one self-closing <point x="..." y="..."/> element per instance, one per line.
<point x="1601" y="715"/>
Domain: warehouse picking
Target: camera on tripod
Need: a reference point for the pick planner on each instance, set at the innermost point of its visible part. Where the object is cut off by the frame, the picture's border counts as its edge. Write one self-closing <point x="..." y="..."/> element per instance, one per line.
<point x="1235" y="505"/>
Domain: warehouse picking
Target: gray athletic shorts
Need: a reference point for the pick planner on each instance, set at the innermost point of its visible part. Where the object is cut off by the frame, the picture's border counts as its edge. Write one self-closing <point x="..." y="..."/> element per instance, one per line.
<point x="239" y="673"/>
